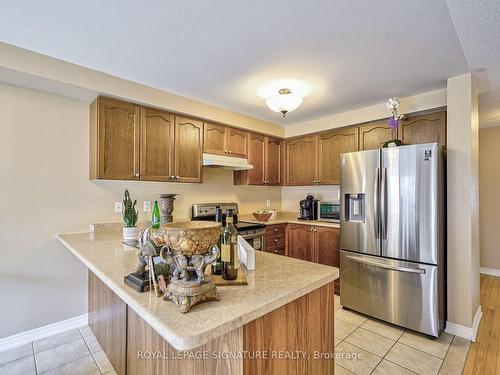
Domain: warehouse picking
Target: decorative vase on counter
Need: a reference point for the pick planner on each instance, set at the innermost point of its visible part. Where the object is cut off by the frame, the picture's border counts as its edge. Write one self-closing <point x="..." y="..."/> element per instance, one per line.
<point x="166" y="208"/>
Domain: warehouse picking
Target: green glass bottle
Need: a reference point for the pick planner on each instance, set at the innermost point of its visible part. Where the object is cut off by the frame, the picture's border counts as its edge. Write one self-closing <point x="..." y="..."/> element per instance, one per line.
<point x="155" y="218"/>
<point x="229" y="249"/>
<point x="217" y="264"/>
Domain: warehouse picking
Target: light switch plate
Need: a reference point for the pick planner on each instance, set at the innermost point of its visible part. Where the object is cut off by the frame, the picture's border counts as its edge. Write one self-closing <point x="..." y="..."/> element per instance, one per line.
<point x="268" y="203"/>
<point x="147" y="206"/>
<point x="118" y="207"/>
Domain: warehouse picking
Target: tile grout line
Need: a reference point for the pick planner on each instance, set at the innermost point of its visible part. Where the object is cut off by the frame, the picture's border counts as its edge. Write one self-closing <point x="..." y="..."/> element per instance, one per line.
<point x="449" y="347"/>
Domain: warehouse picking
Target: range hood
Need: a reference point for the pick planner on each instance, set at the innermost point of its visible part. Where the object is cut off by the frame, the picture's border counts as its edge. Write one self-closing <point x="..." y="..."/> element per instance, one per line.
<point x="226" y="162"/>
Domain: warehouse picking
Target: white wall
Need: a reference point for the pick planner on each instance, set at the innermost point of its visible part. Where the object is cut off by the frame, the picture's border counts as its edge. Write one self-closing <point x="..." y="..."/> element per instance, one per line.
<point x="463" y="201"/>
<point x="45" y="190"/>
<point x="489" y="187"/>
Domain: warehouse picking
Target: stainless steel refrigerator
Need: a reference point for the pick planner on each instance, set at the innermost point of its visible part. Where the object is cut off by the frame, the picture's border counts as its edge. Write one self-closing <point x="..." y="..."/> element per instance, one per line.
<point x="392" y="259"/>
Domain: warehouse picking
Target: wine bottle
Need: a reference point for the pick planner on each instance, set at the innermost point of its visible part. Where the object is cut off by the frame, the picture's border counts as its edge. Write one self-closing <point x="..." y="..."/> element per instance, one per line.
<point x="217" y="264"/>
<point x="155" y="218"/>
<point x="229" y="251"/>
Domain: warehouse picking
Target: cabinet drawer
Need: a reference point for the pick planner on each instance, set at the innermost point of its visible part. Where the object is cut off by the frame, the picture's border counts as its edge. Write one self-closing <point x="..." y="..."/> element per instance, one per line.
<point x="276" y="241"/>
<point x="275" y="230"/>
<point x="275" y="250"/>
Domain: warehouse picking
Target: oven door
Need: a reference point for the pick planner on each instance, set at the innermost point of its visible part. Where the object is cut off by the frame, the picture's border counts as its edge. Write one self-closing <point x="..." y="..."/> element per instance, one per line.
<point x="256" y="240"/>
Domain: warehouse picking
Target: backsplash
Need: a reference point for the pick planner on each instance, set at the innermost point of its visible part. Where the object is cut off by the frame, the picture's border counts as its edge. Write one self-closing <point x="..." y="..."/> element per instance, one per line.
<point x="291" y="195"/>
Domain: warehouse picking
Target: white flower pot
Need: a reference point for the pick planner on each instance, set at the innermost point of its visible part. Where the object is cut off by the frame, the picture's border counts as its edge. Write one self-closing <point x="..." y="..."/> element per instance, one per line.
<point x="130" y="233"/>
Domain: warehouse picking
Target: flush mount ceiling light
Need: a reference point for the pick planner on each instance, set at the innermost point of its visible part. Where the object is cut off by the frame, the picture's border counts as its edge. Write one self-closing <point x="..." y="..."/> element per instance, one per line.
<point x="285" y="102"/>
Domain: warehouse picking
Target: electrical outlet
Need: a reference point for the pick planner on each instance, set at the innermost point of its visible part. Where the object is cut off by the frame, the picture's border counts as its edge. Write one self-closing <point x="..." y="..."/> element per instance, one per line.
<point x="268" y="203"/>
<point x="118" y="207"/>
<point x="147" y="206"/>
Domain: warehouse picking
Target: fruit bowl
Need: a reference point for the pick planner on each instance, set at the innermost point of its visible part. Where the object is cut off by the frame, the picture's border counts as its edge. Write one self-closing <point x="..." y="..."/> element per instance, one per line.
<point x="262" y="215"/>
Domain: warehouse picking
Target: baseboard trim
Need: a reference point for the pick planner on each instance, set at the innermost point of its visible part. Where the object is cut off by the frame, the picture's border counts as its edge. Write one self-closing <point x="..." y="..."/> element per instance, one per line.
<point x="466" y="332"/>
<point x="490" y="271"/>
<point x="42" y="332"/>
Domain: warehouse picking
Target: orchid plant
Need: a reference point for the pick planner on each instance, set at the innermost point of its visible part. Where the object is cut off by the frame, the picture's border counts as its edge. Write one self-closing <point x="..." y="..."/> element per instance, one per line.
<point x="394" y="121"/>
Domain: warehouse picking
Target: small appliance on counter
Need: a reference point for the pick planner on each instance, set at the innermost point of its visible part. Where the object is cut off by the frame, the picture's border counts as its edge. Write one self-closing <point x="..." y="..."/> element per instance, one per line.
<point x="308" y="208"/>
<point x="329" y="211"/>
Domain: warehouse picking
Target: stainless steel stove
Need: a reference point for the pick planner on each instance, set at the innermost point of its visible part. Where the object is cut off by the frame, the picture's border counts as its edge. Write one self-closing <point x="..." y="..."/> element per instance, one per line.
<point x="253" y="233"/>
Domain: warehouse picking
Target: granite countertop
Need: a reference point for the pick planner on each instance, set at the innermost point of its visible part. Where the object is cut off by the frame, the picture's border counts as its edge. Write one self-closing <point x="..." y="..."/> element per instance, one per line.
<point x="288" y="217"/>
<point x="276" y="281"/>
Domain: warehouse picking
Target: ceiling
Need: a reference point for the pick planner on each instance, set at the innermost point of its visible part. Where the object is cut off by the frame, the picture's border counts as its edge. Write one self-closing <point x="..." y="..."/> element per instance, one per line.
<point x="478" y="27"/>
<point x="340" y="55"/>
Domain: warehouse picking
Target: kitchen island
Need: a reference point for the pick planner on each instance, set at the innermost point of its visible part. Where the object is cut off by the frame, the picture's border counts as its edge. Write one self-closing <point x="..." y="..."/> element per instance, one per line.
<point x="281" y="322"/>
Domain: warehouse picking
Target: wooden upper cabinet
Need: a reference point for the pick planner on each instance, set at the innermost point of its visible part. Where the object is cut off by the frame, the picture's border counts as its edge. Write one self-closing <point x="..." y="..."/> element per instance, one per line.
<point x="237" y="143"/>
<point x="114" y="140"/>
<point x="331" y="145"/>
<point x="157" y="141"/>
<point x="272" y="162"/>
<point x="215" y="139"/>
<point x="301" y="242"/>
<point x="374" y="135"/>
<point x="424" y="129"/>
<point x="188" y="139"/>
<point x="301" y="160"/>
<point x="256" y="144"/>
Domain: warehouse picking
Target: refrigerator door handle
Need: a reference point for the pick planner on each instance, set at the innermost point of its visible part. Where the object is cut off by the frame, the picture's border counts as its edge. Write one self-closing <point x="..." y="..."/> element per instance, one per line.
<point x="383" y="199"/>
<point x="385" y="265"/>
<point x="376" y="201"/>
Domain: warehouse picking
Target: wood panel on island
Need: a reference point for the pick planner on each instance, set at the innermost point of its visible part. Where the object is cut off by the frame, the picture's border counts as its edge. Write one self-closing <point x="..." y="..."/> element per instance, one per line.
<point x="304" y="325"/>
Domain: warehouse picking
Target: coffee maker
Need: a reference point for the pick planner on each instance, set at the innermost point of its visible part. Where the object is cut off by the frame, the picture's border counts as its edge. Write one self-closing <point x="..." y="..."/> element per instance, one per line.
<point x="308" y="208"/>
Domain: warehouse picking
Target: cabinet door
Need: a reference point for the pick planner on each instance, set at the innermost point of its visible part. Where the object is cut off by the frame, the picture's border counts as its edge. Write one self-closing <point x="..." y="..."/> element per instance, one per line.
<point x="157" y="133"/>
<point x="424" y="129"/>
<point x="118" y="140"/>
<point x="256" y="144"/>
<point x="237" y="143"/>
<point x="327" y="248"/>
<point x="301" y="242"/>
<point x="273" y="161"/>
<point x="302" y="161"/>
<point x="331" y="145"/>
<point x="374" y="135"/>
<point x="215" y="139"/>
<point x="188" y="136"/>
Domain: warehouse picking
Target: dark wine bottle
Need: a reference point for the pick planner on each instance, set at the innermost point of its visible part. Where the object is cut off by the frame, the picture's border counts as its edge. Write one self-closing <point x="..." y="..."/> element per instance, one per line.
<point x="217" y="264"/>
<point x="229" y="249"/>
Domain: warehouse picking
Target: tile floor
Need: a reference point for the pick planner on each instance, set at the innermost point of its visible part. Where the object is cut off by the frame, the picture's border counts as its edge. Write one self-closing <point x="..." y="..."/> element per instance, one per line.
<point x="385" y="349"/>
<point x="74" y="352"/>
<point x="388" y="350"/>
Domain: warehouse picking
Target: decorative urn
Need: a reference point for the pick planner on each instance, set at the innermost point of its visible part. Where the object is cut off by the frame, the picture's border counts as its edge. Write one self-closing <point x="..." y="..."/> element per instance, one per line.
<point x="190" y="247"/>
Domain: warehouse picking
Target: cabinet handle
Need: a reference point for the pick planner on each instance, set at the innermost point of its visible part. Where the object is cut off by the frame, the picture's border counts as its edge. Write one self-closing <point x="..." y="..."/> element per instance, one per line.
<point x="275" y="230"/>
<point x="276" y="251"/>
<point x="137" y="175"/>
<point x="172" y="177"/>
<point x="177" y="177"/>
<point x="319" y="181"/>
<point x="229" y="152"/>
<point x="276" y="241"/>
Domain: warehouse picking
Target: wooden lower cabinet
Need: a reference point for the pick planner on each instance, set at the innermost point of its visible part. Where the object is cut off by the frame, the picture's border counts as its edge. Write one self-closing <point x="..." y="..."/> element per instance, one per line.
<point x="305" y="325"/>
<point x="327" y="248"/>
<point x="301" y="242"/>
<point x="315" y="244"/>
<point x="276" y="239"/>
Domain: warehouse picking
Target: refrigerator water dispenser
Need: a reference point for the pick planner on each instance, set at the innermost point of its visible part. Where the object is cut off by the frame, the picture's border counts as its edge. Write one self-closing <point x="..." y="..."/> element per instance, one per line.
<point x="355" y="207"/>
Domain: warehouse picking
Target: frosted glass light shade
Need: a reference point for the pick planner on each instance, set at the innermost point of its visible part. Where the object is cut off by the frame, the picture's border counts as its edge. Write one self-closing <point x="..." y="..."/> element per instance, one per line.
<point x="285" y="102"/>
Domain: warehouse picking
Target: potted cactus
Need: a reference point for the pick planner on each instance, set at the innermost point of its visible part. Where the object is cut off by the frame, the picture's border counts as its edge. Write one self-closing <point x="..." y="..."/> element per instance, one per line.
<point x="130" y="230"/>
